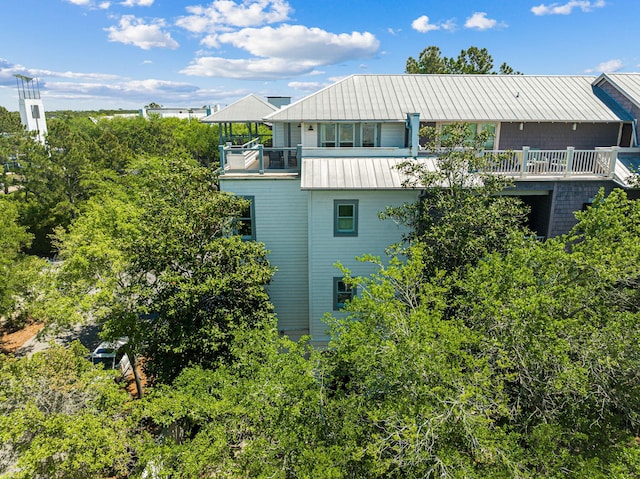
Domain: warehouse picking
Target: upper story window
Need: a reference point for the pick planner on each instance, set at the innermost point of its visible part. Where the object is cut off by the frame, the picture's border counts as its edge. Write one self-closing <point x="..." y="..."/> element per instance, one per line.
<point x="369" y="134"/>
<point x="345" y="218"/>
<point x="246" y="222"/>
<point x="348" y="135"/>
<point x="475" y="128"/>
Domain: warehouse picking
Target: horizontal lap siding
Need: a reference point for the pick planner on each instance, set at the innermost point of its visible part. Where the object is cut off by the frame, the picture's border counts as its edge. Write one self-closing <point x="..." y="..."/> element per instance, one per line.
<point x="374" y="235"/>
<point x="281" y="224"/>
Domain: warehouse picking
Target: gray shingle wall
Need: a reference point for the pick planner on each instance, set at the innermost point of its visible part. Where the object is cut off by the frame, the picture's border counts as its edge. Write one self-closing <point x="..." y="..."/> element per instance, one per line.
<point x="570" y="196"/>
<point x="558" y="136"/>
<point x="622" y="100"/>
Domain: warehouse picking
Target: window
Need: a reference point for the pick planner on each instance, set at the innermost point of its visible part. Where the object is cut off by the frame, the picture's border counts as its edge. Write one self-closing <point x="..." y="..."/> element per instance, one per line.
<point x="246" y="223"/>
<point x="342" y="293"/>
<point x="345" y="134"/>
<point x="474" y="129"/>
<point x="345" y="218"/>
<point x="369" y="133"/>
<point x="337" y="134"/>
<point x="328" y="135"/>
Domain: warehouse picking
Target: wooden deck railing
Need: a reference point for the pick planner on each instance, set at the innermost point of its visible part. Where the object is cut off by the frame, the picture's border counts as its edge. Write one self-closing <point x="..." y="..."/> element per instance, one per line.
<point x="570" y="162"/>
<point x="253" y="157"/>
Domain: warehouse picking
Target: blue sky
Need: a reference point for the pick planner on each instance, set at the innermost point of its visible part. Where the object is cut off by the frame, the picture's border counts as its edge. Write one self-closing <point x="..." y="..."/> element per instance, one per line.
<point x="91" y="54"/>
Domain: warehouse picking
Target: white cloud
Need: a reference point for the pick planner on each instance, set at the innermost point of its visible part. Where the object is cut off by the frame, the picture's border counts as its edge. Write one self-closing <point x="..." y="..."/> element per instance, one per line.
<point x="245" y="69"/>
<point x="8" y="70"/>
<point x="310" y="86"/>
<point x="422" y="24"/>
<point x="311" y="46"/>
<point x="479" y="21"/>
<point x="137" y="3"/>
<point x="134" y="31"/>
<point x="91" y="4"/>
<point x="567" y="8"/>
<point x="609" y="66"/>
<point x="222" y="14"/>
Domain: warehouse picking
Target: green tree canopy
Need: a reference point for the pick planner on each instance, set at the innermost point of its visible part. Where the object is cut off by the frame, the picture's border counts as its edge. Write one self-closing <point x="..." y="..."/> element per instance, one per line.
<point x="156" y="259"/>
<point x="472" y="60"/>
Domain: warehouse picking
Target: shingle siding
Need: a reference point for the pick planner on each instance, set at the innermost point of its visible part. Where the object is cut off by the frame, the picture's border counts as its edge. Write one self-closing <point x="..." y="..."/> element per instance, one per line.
<point x="558" y="136"/>
<point x="569" y="197"/>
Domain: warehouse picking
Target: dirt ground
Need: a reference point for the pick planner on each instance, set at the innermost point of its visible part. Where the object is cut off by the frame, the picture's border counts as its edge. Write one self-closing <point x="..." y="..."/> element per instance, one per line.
<point x="10" y="341"/>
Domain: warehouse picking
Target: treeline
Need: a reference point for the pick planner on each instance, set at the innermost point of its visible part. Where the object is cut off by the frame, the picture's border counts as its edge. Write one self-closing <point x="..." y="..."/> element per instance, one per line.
<point x="473" y="351"/>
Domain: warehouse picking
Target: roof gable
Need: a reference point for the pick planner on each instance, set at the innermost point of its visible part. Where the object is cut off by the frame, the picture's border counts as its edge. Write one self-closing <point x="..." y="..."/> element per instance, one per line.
<point x="251" y="108"/>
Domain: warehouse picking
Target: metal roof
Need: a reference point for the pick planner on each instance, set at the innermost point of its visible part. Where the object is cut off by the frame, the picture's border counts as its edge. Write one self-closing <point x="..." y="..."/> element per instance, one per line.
<point x="626" y="83"/>
<point x="453" y="98"/>
<point x="372" y="173"/>
<point x="251" y="108"/>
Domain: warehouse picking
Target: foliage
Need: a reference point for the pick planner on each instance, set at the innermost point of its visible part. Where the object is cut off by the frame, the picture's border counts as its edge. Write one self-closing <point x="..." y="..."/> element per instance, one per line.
<point x="461" y="217"/>
<point x="81" y="153"/>
<point x="18" y="271"/>
<point x="154" y="258"/>
<point x="260" y="416"/>
<point x="61" y="417"/>
<point x="471" y="61"/>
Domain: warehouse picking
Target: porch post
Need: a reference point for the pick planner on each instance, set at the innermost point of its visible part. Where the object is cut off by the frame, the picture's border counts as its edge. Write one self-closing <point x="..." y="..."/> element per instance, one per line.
<point x="221" y="148"/>
<point x="525" y="159"/>
<point x="612" y="160"/>
<point x="261" y="158"/>
<point x="570" y="150"/>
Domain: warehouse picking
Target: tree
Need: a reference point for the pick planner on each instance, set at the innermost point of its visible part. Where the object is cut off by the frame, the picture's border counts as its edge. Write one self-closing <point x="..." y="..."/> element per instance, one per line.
<point x="61" y="417"/>
<point x="473" y="60"/>
<point x="460" y="217"/>
<point x="19" y="271"/>
<point x="155" y="259"/>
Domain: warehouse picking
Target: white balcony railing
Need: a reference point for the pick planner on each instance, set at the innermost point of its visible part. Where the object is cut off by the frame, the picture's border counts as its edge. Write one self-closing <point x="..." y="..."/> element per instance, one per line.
<point x="569" y="162"/>
<point x="529" y="163"/>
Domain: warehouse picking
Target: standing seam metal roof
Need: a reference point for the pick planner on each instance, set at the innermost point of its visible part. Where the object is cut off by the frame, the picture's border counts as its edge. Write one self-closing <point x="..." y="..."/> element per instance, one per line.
<point x="453" y="98"/>
<point x="251" y="108"/>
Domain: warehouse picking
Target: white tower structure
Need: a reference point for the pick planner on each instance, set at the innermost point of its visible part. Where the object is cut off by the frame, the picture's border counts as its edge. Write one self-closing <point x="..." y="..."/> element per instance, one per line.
<point x="31" y="106"/>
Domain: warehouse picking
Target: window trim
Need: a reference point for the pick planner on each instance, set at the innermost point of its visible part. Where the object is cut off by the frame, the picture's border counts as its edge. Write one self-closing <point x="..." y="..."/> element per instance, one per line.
<point x="336" y="218"/>
<point x="337" y="305"/>
<point x="251" y="218"/>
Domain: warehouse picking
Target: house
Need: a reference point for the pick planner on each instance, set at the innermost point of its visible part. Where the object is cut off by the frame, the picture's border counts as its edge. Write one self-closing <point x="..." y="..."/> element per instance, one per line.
<point x="181" y="113"/>
<point x="317" y="190"/>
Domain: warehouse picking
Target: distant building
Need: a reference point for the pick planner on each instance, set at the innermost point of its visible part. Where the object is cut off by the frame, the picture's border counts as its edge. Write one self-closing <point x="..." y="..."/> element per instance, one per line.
<point x="31" y="106"/>
<point x="182" y="113"/>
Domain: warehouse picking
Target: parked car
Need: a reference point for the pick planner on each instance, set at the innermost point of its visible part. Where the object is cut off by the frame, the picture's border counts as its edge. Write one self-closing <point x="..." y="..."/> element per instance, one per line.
<point x="111" y="355"/>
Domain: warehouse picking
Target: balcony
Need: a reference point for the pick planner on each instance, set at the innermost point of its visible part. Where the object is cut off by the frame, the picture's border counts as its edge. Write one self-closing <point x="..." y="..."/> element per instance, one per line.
<point x="525" y="164"/>
<point x="530" y="163"/>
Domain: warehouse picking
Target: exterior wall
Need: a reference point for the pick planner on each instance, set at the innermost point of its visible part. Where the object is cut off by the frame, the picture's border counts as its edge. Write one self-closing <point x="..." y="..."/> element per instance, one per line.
<point x="280" y="209"/>
<point x="31" y="123"/>
<point x="182" y="113"/>
<point x="569" y="197"/>
<point x="558" y="136"/>
<point x="374" y="235"/>
<point x="278" y="132"/>
<point x="393" y="134"/>
<point x="622" y="100"/>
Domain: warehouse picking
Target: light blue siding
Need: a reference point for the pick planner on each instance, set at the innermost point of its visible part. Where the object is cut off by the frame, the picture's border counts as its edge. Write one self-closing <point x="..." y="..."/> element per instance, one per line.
<point x="281" y="224"/>
<point x="374" y="235"/>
